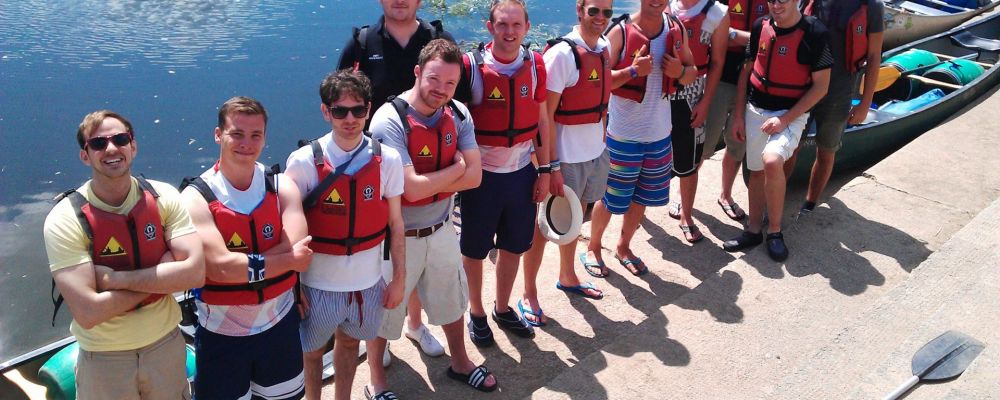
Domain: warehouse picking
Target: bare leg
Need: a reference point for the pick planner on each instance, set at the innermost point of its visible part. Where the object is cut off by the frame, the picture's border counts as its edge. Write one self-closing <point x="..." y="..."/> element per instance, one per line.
<point x="774" y="190"/>
<point x="730" y="166"/>
<point x="599" y="220"/>
<point x="756" y="201"/>
<point x="820" y="175"/>
<point x="345" y="362"/>
<point x="532" y="263"/>
<point x="689" y="187"/>
<point x="454" y="333"/>
<point x="789" y="165"/>
<point x="567" y="275"/>
<point x="376" y="348"/>
<point x="312" y="366"/>
<point x="415" y="320"/>
<point x="630" y="224"/>
<point x="474" y="272"/>
<point x="507" y="264"/>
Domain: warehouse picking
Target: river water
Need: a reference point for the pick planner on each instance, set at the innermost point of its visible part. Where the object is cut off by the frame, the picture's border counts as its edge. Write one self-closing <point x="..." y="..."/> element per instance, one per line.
<point x="166" y="65"/>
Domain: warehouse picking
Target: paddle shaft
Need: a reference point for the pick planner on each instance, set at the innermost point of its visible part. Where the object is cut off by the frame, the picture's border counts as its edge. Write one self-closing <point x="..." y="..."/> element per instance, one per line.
<point x="933" y="82"/>
<point x="947" y="57"/>
<point x="905" y="387"/>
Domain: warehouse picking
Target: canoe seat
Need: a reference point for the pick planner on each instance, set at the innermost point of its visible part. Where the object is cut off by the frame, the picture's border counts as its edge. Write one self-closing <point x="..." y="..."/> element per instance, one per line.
<point x="970" y="41"/>
<point x="922" y="9"/>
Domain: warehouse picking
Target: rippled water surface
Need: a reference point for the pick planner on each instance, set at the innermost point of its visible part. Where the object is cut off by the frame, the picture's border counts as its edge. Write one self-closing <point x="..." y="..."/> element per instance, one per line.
<point x="166" y="65"/>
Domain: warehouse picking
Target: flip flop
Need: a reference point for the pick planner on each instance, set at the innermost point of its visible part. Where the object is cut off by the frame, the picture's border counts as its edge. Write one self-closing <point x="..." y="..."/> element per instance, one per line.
<point x="674" y="210"/>
<point x="632" y="265"/>
<point x="476" y="378"/>
<point x="525" y="312"/>
<point x="581" y="290"/>
<point x="691" y="233"/>
<point x="732" y="210"/>
<point x="590" y="266"/>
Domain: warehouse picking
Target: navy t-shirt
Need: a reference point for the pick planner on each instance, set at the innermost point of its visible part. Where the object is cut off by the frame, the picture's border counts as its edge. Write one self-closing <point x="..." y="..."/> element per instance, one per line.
<point x="814" y="50"/>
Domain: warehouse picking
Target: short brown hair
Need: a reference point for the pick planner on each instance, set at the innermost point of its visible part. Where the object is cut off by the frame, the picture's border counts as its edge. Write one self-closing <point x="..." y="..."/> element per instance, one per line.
<point x="242" y="105"/>
<point x="349" y="81"/>
<point x="500" y="3"/>
<point x="91" y="122"/>
<point x="440" y="49"/>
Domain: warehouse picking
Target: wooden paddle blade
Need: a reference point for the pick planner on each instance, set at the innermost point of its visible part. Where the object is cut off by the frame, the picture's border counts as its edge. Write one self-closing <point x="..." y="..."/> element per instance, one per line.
<point x="945" y="357"/>
<point x="886" y="77"/>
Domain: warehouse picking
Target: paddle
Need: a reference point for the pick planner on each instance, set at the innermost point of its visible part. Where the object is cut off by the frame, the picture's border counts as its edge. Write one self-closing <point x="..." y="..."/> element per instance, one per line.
<point x="888" y="75"/>
<point x="945" y="357"/>
<point x="947" y="57"/>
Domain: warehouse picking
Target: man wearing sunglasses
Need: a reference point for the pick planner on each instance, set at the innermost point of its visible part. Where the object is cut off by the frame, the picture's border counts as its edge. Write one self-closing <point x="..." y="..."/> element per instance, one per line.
<point x="352" y="187"/>
<point x="856" y="44"/>
<point x="436" y="139"/>
<point x="254" y="233"/>
<point x="118" y="247"/>
<point x="652" y="60"/>
<point x="578" y="81"/>
<point x="786" y="73"/>
<point x="507" y="97"/>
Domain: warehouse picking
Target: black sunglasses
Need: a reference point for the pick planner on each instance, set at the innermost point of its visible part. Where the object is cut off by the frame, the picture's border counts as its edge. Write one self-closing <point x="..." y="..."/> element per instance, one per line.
<point x="99" y="143"/>
<point x="608" y="13"/>
<point x="778" y="1"/>
<point x="338" y="112"/>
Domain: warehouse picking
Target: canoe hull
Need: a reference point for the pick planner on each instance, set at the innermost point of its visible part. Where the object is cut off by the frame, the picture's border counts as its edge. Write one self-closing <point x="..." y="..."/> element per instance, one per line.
<point x="902" y="26"/>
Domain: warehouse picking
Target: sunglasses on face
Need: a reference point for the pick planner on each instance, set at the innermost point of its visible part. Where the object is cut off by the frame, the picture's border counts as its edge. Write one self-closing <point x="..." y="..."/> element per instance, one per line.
<point x="608" y="13"/>
<point x="99" y="143"/>
<point x="778" y="1"/>
<point x="338" y="112"/>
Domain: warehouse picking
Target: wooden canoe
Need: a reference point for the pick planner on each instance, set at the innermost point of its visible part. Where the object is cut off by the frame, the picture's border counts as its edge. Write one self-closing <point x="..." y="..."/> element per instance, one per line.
<point x="910" y="20"/>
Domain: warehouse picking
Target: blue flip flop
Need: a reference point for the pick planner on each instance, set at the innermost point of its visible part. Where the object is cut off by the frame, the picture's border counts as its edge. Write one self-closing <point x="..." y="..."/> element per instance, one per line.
<point x="591" y="266"/>
<point x="527" y="311"/>
<point x="633" y="265"/>
<point x="581" y="290"/>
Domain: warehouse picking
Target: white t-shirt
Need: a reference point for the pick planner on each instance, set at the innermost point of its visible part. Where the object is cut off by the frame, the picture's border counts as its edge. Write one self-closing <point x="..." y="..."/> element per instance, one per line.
<point x="501" y="159"/>
<point x="648" y="121"/>
<point x="247" y="319"/>
<point x="362" y="269"/>
<point x="575" y="143"/>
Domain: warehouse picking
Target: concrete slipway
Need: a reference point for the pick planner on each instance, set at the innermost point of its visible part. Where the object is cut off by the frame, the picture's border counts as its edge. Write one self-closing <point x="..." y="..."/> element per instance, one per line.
<point x="893" y="257"/>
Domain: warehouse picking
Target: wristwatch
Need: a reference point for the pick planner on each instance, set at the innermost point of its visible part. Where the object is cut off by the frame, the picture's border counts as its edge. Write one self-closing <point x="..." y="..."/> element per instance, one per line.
<point x="545" y="169"/>
<point x="633" y="72"/>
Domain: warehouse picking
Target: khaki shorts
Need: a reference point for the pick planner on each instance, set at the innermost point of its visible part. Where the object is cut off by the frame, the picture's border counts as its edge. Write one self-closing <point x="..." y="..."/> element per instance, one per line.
<point x="717" y="123"/>
<point x="154" y="372"/>
<point x="434" y="269"/>
<point x="782" y="143"/>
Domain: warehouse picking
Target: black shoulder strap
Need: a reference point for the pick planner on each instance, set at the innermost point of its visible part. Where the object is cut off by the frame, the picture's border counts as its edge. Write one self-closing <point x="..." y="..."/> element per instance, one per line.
<point x="572" y="46"/>
<point x="401" y="107"/>
<point x="477" y="55"/>
<point x="376" y="148"/>
<point x="145" y="185"/>
<point x="77" y="202"/>
<point x="201" y="186"/>
<point x="436" y="28"/>
<point x="313" y="197"/>
<point x="708" y="6"/>
<point x="455" y="110"/>
<point x="317" y="151"/>
<point x="618" y="22"/>
<point x="271" y="178"/>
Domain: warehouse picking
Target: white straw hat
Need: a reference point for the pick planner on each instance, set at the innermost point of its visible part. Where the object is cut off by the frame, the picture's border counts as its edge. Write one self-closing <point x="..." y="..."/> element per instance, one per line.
<point x="559" y="218"/>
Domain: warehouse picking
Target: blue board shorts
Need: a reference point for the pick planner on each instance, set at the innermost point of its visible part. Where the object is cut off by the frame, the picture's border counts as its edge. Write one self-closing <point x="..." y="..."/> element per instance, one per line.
<point x="640" y="173"/>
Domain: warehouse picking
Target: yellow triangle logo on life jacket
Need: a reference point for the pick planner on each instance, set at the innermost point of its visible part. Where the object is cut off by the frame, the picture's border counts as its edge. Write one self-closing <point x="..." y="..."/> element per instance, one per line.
<point x="636" y="54"/>
<point x="425" y="152"/>
<point x="738" y="9"/>
<point x="495" y="94"/>
<point x="236" y="242"/>
<point x="334" y="198"/>
<point x="593" y="76"/>
<point x="113" y="248"/>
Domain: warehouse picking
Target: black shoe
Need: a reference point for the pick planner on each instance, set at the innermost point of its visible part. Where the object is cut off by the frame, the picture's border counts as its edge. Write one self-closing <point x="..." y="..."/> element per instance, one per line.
<point x="776" y="247"/>
<point x="744" y="241"/>
<point x="511" y="322"/>
<point x="480" y="332"/>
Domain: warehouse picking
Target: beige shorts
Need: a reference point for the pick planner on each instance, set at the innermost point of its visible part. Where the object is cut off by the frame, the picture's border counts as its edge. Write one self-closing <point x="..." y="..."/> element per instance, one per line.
<point x="782" y="143"/>
<point x="156" y="371"/>
<point x="717" y="123"/>
<point x="434" y="269"/>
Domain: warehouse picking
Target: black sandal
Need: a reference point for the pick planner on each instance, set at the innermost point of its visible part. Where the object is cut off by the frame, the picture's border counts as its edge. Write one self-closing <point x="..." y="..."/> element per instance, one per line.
<point x="511" y="322"/>
<point x="383" y="395"/>
<point x="476" y="378"/>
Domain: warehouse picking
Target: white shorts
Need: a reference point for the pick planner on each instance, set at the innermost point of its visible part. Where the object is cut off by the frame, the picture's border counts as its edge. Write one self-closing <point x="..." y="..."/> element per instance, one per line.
<point x="782" y="143"/>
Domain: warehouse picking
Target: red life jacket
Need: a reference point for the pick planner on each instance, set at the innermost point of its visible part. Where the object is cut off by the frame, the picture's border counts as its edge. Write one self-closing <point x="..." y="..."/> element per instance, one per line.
<point x="262" y="228"/>
<point x="347" y="213"/>
<point x="695" y="26"/>
<point x="430" y="148"/>
<point x="777" y="70"/>
<point x="508" y="113"/>
<point x="586" y="102"/>
<point x="742" y="14"/>
<point x="632" y="42"/>
<point x="855" y="39"/>
<point x="124" y="242"/>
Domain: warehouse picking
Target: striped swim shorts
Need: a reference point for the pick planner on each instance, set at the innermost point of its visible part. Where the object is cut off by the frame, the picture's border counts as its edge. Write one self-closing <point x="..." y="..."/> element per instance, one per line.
<point x="640" y="173"/>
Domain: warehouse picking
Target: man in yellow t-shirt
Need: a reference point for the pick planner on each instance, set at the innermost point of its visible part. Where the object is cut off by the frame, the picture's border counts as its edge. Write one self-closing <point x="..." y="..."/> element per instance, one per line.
<point x="118" y="247"/>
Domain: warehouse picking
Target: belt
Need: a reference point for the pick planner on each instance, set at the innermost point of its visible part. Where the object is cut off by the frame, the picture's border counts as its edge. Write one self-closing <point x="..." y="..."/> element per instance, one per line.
<point x="424" y="232"/>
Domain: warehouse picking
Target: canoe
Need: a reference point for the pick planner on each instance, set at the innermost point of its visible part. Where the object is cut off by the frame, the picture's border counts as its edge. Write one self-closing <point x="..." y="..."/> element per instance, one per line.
<point x="910" y="20"/>
<point x="884" y="133"/>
